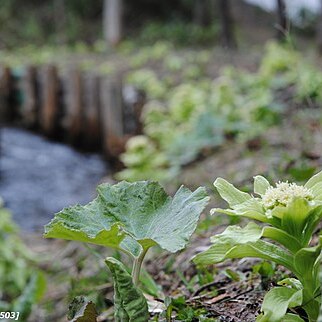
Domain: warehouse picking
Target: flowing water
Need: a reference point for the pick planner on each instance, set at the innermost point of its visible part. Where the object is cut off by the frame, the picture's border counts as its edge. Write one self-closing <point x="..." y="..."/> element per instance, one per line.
<point x="39" y="177"/>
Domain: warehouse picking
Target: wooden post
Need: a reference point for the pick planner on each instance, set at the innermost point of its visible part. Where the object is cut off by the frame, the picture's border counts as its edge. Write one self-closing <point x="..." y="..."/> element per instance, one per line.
<point x="112" y="21"/>
<point x="49" y="109"/>
<point x="133" y="103"/>
<point x="6" y="91"/>
<point x="112" y="117"/>
<point x="91" y="111"/>
<point x="29" y="111"/>
<point x="73" y="118"/>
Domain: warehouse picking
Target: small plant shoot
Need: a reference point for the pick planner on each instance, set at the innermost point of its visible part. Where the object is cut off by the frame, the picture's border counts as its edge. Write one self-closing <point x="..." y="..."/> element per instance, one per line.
<point x="131" y="217"/>
<point x="290" y="214"/>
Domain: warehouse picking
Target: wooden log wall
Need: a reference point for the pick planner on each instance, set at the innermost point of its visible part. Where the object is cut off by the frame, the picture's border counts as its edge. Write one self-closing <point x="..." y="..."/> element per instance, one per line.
<point x="80" y="108"/>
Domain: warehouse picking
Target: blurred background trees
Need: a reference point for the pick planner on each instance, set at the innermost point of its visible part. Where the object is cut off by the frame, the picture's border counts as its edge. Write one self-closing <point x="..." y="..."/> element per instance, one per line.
<point x="68" y="22"/>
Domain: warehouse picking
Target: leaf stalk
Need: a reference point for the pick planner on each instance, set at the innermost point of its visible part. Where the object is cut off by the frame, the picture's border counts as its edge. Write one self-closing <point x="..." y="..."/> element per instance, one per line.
<point x="137" y="264"/>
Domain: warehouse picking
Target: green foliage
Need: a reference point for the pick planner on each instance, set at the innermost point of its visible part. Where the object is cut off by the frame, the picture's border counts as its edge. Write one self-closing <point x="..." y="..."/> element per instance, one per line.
<point x="187" y="120"/>
<point x="182" y="122"/>
<point x="176" y="32"/>
<point x="32" y="293"/>
<point x="22" y="284"/>
<point x="143" y="160"/>
<point x="276" y="303"/>
<point x="278" y="60"/>
<point x="291" y="214"/>
<point x="46" y="21"/>
<point x="184" y="311"/>
<point x="81" y="310"/>
<point x="147" y="80"/>
<point x="309" y="84"/>
<point x="131" y="217"/>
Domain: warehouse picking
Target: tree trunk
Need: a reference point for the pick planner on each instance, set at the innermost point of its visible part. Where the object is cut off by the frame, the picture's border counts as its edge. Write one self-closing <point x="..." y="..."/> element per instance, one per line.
<point x="112" y="21"/>
<point x="228" y="37"/>
<point x="283" y="24"/>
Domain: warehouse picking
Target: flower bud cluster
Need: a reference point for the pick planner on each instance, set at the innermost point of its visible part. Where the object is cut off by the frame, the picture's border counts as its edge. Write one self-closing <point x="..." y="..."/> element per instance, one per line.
<point x="284" y="193"/>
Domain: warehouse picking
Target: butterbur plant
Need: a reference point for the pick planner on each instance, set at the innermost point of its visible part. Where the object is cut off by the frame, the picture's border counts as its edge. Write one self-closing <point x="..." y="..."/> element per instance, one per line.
<point x="290" y="214"/>
<point x="131" y="217"/>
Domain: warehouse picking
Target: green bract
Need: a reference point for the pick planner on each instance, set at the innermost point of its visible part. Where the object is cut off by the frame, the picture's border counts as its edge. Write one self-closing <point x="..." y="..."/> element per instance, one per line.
<point x="131" y="217"/>
<point x="290" y="214"/>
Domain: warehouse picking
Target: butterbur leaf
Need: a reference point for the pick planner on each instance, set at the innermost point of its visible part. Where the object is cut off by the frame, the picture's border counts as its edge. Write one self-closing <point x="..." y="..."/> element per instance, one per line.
<point x="260" y="185"/>
<point x="289" y="317"/>
<point x="132" y="215"/>
<point x="129" y="302"/>
<point x="236" y="242"/>
<point x="81" y="310"/>
<point x="250" y="208"/>
<point x="277" y="301"/>
<point x="228" y="192"/>
<point x="292" y="282"/>
<point x="282" y="237"/>
<point x="260" y="249"/>
<point x="315" y="185"/>
<point x="86" y="224"/>
<point x="320" y="279"/>
<point x="307" y="263"/>
<point x="312" y="221"/>
<point x="292" y="318"/>
<point x="237" y="235"/>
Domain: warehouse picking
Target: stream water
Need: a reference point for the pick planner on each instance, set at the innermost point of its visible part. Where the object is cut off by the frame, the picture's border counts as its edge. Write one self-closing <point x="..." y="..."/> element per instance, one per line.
<point x="39" y="177"/>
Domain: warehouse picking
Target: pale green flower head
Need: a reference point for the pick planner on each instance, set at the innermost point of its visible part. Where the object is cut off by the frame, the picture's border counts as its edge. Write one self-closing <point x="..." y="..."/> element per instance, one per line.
<point x="283" y="193"/>
<point x="271" y="201"/>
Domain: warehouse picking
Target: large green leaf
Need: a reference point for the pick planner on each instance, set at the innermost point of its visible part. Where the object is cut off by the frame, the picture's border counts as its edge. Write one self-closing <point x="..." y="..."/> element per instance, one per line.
<point x="128" y="214"/>
<point x="129" y="302"/>
<point x="236" y="242"/>
<point x="277" y="301"/>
